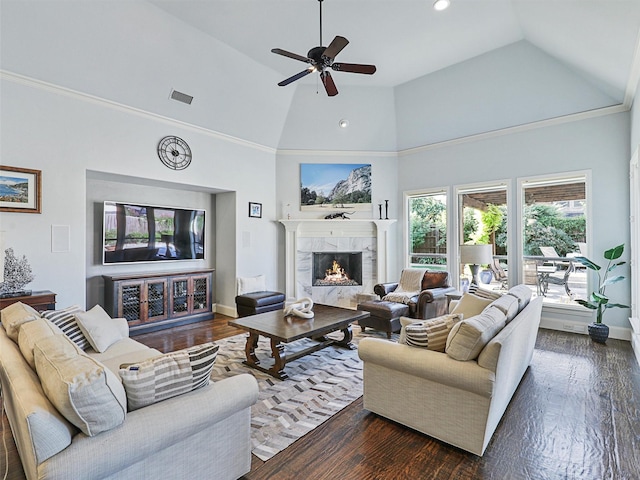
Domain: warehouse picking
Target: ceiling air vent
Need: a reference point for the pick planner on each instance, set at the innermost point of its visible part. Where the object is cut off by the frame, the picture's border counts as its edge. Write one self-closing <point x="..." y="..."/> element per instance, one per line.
<point x="181" y="97"/>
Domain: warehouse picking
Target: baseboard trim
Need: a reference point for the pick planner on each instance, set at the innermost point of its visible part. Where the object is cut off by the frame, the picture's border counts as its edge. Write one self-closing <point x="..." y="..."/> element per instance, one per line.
<point x="619" y="333"/>
<point x="226" y="310"/>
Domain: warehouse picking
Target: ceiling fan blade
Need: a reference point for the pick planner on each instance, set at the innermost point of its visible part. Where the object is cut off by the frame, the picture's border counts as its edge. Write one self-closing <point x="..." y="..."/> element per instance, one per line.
<point x="295" y="56"/>
<point x="335" y="47"/>
<point x="329" y="86"/>
<point x="297" y="76"/>
<point x="354" y="68"/>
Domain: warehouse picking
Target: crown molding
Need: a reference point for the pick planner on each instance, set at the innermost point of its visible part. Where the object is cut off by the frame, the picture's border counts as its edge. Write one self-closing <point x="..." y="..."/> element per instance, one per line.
<point x="85" y="97"/>
<point x="573" y="117"/>
<point x="336" y="153"/>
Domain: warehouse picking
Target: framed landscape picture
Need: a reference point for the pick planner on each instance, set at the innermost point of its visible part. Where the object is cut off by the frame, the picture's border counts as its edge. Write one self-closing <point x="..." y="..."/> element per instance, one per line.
<point x="20" y="190"/>
<point x="327" y="186"/>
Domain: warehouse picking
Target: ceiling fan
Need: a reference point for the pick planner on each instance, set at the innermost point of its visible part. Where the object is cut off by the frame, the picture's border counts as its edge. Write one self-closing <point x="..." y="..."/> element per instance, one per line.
<point x="321" y="58"/>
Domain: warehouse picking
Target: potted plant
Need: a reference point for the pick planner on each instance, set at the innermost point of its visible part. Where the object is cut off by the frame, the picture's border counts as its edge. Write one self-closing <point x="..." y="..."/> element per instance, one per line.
<point x="598" y="300"/>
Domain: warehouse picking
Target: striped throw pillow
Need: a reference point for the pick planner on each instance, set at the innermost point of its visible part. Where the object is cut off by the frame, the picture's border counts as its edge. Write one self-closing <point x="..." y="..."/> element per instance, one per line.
<point x="483" y="292"/>
<point x="65" y="320"/>
<point x="168" y="375"/>
<point x="431" y="334"/>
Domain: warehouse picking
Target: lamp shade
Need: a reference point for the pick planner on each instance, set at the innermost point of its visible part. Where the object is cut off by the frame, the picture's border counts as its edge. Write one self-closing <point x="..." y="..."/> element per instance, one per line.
<point x="476" y="254"/>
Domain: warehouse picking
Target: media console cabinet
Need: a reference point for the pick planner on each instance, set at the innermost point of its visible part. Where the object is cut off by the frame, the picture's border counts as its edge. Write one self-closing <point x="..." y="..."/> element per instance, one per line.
<point x="153" y="301"/>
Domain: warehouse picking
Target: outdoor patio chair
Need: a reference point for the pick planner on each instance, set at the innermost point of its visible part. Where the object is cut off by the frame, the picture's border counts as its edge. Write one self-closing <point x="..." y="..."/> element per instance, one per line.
<point x="499" y="274"/>
<point x="551" y="254"/>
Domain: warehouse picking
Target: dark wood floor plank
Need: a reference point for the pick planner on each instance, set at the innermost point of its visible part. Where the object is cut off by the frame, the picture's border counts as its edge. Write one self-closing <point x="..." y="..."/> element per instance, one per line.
<point x="576" y="415"/>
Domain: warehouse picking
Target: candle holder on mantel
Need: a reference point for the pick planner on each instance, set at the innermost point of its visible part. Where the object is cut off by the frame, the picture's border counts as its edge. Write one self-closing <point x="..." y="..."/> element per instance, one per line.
<point x="386" y="209"/>
<point x="380" y="210"/>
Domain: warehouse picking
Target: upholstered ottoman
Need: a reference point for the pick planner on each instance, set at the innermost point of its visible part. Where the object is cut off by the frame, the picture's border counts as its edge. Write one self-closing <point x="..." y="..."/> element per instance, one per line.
<point x="385" y="316"/>
<point x="259" y="302"/>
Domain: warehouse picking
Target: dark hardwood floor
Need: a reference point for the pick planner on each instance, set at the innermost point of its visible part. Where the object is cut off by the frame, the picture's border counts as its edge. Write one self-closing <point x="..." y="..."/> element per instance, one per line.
<point x="576" y="415"/>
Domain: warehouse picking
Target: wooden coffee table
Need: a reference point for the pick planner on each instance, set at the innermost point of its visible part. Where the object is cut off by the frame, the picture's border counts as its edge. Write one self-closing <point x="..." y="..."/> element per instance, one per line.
<point x="280" y="330"/>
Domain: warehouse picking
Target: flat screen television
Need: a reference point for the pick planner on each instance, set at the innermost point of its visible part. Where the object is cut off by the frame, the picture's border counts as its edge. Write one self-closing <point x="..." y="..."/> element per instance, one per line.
<point x="147" y="233"/>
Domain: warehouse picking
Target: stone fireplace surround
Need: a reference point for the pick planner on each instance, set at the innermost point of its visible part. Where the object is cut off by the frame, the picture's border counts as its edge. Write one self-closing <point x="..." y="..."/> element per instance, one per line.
<point x="306" y="236"/>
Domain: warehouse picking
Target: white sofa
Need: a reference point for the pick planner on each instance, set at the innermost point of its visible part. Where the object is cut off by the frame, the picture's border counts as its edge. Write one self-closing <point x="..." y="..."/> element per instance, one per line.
<point x="201" y="434"/>
<point x="458" y="402"/>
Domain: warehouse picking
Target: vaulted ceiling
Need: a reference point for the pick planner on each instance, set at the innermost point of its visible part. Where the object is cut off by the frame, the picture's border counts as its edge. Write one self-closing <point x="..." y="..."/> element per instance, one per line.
<point x="479" y="66"/>
<point x="407" y="39"/>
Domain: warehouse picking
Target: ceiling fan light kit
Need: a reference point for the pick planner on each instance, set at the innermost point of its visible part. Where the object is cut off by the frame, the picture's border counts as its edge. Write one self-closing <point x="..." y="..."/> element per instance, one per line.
<point x="322" y="58"/>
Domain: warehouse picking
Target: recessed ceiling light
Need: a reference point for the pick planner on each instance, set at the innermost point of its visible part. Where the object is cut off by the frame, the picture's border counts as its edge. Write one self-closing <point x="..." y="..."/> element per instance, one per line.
<point x="440" y="5"/>
<point x="344" y="123"/>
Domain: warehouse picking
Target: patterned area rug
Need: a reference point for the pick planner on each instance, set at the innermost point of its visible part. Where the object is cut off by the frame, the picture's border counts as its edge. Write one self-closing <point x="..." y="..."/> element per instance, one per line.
<point x="319" y="386"/>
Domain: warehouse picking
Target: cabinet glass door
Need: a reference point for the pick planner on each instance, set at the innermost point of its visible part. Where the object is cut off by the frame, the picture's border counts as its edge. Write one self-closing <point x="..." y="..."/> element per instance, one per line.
<point x="131" y="298"/>
<point x="156" y="300"/>
<point x="200" y="293"/>
<point x="180" y="295"/>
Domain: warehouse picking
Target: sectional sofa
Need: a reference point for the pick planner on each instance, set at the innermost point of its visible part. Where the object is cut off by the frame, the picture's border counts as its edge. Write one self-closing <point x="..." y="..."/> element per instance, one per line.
<point x="204" y="433"/>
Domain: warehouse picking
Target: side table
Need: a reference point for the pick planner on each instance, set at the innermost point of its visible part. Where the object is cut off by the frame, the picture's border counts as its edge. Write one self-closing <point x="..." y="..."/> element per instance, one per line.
<point x="39" y="300"/>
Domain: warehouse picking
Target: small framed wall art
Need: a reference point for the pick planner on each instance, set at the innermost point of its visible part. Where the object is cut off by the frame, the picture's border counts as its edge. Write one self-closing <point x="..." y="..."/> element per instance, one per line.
<point x="255" y="210"/>
<point x="20" y="189"/>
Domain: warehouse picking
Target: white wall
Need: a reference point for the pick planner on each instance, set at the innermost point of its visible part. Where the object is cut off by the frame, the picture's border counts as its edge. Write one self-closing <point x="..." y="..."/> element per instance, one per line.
<point x="134" y="53"/>
<point x="312" y="120"/>
<point x="513" y="85"/>
<point x="598" y="144"/>
<point x="65" y="134"/>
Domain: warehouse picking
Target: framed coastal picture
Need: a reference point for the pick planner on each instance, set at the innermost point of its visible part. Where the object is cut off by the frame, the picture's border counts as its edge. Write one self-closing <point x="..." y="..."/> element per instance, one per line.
<point x="330" y="186"/>
<point x="20" y="189"/>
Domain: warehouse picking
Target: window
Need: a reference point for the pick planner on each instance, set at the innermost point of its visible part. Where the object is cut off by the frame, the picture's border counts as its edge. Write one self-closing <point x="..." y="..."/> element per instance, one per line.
<point x="554" y="232"/>
<point x="482" y="220"/>
<point x="427" y="230"/>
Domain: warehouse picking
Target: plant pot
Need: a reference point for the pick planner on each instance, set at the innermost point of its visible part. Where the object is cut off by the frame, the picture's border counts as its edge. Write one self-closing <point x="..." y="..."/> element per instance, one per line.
<point x="599" y="332"/>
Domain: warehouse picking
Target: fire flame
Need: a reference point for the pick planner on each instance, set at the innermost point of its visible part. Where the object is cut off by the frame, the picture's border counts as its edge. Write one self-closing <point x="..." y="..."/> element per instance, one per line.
<point x="336" y="273"/>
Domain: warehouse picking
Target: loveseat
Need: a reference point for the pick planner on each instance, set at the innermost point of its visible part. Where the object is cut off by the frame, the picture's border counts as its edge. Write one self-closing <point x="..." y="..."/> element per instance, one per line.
<point x="458" y="394"/>
<point x="204" y="433"/>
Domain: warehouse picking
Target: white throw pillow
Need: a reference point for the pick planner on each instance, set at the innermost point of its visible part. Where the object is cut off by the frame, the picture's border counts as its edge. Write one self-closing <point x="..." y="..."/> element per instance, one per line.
<point x="15" y="315"/>
<point x="100" y="329"/>
<point x="83" y="390"/>
<point x="251" y="284"/>
<point x="168" y="375"/>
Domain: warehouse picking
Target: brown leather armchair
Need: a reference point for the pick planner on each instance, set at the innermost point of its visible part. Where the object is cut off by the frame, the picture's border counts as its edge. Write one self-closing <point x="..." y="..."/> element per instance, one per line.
<point x="431" y="302"/>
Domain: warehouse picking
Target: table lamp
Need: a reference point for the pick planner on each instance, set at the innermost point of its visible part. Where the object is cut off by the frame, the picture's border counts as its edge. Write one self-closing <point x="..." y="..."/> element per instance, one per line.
<point x="474" y="256"/>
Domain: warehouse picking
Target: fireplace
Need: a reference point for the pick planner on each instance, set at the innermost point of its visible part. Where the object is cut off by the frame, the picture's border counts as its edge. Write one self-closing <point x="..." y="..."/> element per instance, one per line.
<point x="337" y="269"/>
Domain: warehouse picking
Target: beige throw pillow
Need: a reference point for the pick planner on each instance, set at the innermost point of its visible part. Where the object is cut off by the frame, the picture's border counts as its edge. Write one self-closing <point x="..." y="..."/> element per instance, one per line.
<point x="15" y="315"/>
<point x="99" y="328"/>
<point x="471" y="305"/>
<point x="84" y="391"/>
<point x="29" y="335"/>
<point x="468" y="337"/>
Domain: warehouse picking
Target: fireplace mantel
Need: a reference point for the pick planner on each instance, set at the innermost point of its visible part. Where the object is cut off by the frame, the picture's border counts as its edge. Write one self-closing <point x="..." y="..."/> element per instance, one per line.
<point x="336" y="228"/>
